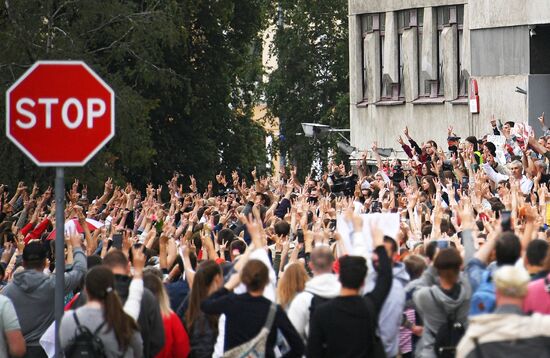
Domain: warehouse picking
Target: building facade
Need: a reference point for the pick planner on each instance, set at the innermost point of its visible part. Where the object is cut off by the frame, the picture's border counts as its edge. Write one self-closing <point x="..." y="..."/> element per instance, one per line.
<point x="412" y="62"/>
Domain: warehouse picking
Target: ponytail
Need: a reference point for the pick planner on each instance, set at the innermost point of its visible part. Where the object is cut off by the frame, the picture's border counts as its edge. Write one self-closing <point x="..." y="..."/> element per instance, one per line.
<point x="123" y="325"/>
<point x="100" y="284"/>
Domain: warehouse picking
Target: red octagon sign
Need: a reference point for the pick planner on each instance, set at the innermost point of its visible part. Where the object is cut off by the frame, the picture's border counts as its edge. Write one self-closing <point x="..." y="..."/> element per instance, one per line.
<point x="60" y="113"/>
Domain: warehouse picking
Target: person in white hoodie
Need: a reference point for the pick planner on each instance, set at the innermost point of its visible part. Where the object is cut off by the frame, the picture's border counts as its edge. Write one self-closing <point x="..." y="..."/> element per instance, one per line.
<point x="324" y="284"/>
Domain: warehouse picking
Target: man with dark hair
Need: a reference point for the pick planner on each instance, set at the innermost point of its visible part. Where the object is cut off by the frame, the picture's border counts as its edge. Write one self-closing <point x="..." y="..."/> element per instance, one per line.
<point x="323" y="286"/>
<point x="507" y="249"/>
<point x="32" y="292"/>
<point x="150" y="319"/>
<point x="282" y="228"/>
<point x="346" y="325"/>
<point x="479" y="270"/>
<point x="534" y="259"/>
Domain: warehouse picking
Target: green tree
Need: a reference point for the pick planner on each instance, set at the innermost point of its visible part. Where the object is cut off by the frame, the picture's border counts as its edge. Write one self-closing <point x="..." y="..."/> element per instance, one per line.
<point x="311" y="81"/>
<point x="185" y="74"/>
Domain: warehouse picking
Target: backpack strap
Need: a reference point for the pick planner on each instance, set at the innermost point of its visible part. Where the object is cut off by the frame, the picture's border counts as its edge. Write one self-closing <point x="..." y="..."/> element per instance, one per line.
<point x="79" y="326"/>
<point x="271" y="315"/>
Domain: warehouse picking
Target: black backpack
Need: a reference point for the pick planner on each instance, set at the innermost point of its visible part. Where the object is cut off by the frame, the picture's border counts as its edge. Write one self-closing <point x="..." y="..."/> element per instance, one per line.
<point x="448" y="334"/>
<point x="85" y="344"/>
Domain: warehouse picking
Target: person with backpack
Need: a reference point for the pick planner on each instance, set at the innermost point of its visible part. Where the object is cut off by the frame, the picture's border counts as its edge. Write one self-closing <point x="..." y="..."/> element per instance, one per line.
<point x="479" y="270"/>
<point x="323" y="286"/>
<point x="508" y="331"/>
<point x="252" y="320"/>
<point x="150" y="318"/>
<point x="443" y="306"/>
<point x="100" y="328"/>
<point x="346" y="325"/>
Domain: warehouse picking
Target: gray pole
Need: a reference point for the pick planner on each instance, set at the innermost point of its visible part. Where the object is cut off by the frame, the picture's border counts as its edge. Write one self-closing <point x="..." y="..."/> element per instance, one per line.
<point x="59" y="253"/>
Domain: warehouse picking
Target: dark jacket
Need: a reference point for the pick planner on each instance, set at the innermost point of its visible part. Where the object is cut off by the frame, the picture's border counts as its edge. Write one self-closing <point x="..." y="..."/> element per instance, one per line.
<point x="150" y="319"/>
<point x="245" y="317"/>
<point x="346" y="326"/>
<point x="202" y="338"/>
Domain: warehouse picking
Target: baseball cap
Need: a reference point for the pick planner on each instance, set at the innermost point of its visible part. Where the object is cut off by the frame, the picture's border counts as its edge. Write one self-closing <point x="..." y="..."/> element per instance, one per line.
<point x="34" y="251"/>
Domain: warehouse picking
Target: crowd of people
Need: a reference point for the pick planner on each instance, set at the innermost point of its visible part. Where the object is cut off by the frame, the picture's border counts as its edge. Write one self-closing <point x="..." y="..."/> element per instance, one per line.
<point x="263" y="267"/>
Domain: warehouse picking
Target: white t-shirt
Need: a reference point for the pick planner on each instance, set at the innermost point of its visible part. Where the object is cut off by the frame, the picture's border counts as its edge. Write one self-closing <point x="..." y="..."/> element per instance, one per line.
<point x="8" y="322"/>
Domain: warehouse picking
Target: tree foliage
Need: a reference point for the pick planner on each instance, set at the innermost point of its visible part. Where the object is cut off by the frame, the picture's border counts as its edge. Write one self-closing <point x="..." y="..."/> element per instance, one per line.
<point x="311" y="81"/>
<point x="185" y="74"/>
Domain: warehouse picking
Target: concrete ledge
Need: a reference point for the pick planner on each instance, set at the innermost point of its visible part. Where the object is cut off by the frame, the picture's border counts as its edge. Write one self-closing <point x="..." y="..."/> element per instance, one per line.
<point x="428" y="100"/>
<point x="460" y="101"/>
<point x="362" y="104"/>
<point x="389" y="103"/>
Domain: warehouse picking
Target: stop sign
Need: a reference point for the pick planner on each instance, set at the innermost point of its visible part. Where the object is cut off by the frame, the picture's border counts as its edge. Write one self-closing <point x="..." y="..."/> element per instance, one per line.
<point x="60" y="113"/>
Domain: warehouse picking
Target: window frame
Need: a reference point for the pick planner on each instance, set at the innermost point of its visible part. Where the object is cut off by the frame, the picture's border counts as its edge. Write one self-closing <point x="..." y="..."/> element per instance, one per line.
<point x="364" y="76"/>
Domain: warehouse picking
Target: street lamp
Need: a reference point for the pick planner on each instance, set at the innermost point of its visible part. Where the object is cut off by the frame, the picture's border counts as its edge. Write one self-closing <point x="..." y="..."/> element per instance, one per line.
<point x="316" y="130"/>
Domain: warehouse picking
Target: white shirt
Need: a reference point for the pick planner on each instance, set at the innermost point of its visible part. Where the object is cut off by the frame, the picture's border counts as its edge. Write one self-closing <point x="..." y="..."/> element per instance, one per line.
<point x="525" y="183"/>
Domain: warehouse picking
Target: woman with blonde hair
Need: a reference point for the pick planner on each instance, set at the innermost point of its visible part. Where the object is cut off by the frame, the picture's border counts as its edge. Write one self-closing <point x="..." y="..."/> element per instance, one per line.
<point x="292" y="282"/>
<point x="175" y="336"/>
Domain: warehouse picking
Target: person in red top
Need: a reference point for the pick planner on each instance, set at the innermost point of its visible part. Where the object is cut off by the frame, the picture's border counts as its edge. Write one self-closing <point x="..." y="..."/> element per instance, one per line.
<point x="176" y="338"/>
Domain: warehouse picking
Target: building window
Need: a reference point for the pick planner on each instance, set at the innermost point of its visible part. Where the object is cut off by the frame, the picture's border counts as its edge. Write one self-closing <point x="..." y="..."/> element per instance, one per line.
<point x="462" y="75"/>
<point x="450" y="16"/>
<point x="371" y="23"/>
<point x="405" y="20"/>
<point x="364" y="31"/>
<point x="421" y="77"/>
<point x="386" y="88"/>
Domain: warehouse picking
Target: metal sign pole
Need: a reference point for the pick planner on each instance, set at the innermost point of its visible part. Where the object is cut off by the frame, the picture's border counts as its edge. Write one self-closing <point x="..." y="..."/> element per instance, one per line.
<point x="59" y="253"/>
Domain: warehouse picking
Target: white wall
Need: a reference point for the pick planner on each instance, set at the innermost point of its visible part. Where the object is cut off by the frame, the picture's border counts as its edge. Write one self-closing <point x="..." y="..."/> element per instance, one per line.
<point x="500" y="13"/>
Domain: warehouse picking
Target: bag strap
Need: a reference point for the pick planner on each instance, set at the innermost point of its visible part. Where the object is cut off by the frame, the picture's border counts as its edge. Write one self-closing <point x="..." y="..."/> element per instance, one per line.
<point x="79" y="326"/>
<point x="271" y="316"/>
<point x="479" y="352"/>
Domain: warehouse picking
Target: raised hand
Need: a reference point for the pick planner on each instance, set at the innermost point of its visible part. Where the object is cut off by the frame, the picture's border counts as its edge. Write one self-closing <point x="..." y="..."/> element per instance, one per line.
<point x="138" y="260"/>
<point x="374" y="146"/>
<point x="21" y="187"/>
<point x="193" y="185"/>
<point x="109" y="185"/>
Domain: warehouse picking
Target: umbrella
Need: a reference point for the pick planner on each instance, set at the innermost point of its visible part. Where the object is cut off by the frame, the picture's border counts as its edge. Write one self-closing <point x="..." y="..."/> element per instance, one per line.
<point x="73" y="225"/>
